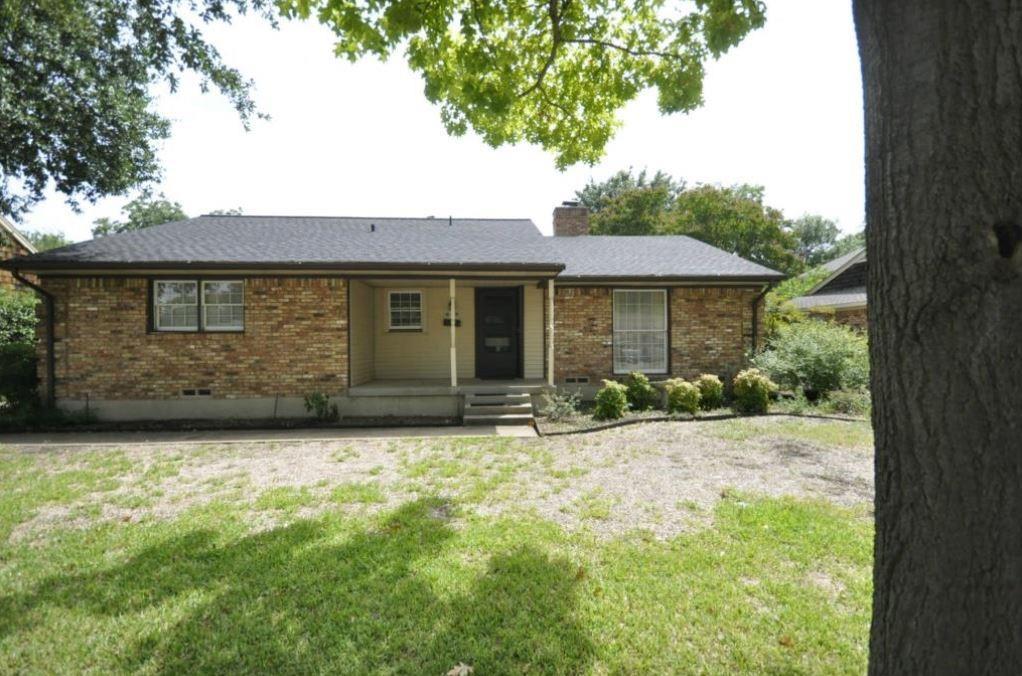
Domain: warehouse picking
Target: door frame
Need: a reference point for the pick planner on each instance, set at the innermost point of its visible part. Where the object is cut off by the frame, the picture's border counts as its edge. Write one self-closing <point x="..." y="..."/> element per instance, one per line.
<point x="519" y="299"/>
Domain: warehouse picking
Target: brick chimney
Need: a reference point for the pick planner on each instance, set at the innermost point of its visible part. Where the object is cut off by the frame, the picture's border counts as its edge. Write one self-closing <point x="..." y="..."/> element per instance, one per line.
<point x="571" y="219"/>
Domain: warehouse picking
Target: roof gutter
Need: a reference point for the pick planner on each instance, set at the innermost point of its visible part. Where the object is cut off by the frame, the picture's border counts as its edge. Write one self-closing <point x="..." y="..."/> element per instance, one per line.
<point x="51" y="362"/>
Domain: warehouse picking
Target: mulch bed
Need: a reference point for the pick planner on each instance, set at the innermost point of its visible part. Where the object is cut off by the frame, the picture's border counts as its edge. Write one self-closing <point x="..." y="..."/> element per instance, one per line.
<point x="584" y="423"/>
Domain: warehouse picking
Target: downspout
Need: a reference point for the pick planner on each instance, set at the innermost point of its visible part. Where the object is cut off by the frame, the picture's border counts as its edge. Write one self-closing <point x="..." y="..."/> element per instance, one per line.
<point x="51" y="362"/>
<point x="755" y="315"/>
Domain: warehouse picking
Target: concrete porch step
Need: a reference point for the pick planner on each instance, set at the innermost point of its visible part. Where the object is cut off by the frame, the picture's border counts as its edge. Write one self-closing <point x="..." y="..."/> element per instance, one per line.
<point x="497" y="409"/>
<point x="499" y="399"/>
<point x="498" y="419"/>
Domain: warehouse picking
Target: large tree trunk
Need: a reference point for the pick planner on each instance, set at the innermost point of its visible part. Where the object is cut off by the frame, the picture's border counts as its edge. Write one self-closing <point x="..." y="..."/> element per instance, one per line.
<point x="943" y="85"/>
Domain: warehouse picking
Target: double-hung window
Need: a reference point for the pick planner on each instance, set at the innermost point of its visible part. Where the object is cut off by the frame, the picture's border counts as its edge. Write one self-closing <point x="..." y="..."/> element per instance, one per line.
<point x="223" y="305"/>
<point x="176" y="306"/>
<point x="405" y="310"/>
<point x="193" y="305"/>
<point x="640" y="330"/>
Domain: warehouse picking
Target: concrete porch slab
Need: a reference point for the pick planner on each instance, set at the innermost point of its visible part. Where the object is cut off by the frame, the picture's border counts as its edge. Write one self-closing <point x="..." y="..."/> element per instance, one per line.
<point x="424" y="387"/>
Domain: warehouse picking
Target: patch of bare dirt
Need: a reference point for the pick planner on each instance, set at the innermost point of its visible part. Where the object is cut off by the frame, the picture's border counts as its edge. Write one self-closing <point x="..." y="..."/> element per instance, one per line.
<point x="660" y="478"/>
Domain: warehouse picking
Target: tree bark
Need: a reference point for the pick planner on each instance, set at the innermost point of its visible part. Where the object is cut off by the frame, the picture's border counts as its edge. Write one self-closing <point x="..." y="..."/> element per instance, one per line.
<point x="943" y="105"/>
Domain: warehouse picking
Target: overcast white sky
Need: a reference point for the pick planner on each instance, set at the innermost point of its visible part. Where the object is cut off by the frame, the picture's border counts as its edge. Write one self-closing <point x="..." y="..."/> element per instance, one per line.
<point x="783" y="110"/>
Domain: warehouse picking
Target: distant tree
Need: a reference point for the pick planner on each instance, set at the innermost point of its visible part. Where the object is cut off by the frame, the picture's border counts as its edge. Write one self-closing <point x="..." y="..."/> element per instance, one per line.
<point x="844" y="245"/>
<point x="599" y="195"/>
<point x="814" y="237"/>
<point x="44" y="241"/>
<point x="76" y="79"/>
<point x="636" y="211"/>
<point x="142" y="212"/>
<point x="236" y="211"/>
<point x="735" y="219"/>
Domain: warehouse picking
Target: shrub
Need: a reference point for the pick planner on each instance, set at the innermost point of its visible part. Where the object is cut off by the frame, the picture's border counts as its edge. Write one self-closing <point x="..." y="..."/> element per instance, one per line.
<point x="711" y="391"/>
<point x="848" y="402"/>
<point x="611" y="401"/>
<point x="752" y="392"/>
<point x="797" y="404"/>
<point x="682" y="397"/>
<point x="816" y="357"/>
<point x="320" y="406"/>
<point x="558" y="405"/>
<point x="779" y="310"/>
<point x="17" y="317"/>
<point x="642" y="396"/>
<point x="18" y="381"/>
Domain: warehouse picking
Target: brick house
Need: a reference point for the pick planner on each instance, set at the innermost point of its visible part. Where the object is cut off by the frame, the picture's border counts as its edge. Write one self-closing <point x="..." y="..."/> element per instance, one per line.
<point x="243" y="316"/>
<point x="12" y="244"/>
<point x="841" y="296"/>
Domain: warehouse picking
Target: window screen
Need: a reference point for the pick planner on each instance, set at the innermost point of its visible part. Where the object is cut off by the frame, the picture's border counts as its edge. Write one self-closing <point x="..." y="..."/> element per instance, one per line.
<point x="640" y="331"/>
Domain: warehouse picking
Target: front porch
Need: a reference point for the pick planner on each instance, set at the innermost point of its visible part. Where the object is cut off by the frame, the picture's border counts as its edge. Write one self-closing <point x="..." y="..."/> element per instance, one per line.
<point x="426" y="336"/>
<point x="474" y="400"/>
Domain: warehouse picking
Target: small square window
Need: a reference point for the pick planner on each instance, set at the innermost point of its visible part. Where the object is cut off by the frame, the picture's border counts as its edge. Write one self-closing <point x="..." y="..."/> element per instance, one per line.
<point x="405" y="310"/>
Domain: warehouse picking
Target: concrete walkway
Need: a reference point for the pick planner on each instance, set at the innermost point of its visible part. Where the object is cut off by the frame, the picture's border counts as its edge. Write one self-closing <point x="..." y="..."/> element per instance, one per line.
<point x="63" y="439"/>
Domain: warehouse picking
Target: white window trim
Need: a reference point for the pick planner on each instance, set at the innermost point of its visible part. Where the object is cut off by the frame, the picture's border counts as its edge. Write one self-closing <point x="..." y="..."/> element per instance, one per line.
<point x="202" y="306"/>
<point x="422" y="311"/>
<point x="156" y="307"/>
<point x="667" y="334"/>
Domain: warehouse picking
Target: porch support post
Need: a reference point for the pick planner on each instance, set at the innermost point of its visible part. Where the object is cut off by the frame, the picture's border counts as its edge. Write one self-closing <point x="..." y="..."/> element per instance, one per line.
<point x="550" y="332"/>
<point x="454" y="349"/>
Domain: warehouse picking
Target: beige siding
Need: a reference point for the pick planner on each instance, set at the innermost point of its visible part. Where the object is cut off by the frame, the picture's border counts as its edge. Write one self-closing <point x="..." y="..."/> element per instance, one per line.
<point x="426" y="354"/>
<point x="362" y="344"/>
<point x="532" y="331"/>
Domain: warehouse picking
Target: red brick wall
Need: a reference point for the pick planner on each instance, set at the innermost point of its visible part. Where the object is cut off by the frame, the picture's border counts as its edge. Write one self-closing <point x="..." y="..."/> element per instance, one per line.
<point x="295" y="342"/>
<point x="710" y="331"/>
<point x="583" y="333"/>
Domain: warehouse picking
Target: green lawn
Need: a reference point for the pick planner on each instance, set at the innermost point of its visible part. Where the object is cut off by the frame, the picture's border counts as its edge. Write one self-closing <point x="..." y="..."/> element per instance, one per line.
<point x="246" y="583"/>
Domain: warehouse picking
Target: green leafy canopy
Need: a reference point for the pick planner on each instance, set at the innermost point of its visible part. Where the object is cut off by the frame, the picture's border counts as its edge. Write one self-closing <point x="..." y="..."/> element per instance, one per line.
<point x="553" y="73"/>
<point x="75" y="75"/>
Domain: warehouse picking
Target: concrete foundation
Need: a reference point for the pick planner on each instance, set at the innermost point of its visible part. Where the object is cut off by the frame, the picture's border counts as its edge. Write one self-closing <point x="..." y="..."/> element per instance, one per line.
<point x="208" y="408"/>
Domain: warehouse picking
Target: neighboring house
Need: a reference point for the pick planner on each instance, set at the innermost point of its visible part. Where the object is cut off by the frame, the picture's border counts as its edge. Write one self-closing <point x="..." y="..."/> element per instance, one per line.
<point x="842" y="294"/>
<point x="12" y="244"/>
<point x="243" y="316"/>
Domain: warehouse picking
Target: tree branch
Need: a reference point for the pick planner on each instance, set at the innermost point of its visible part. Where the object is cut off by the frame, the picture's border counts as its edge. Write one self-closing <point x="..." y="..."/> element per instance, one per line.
<point x="555" y="36"/>
<point x="622" y="48"/>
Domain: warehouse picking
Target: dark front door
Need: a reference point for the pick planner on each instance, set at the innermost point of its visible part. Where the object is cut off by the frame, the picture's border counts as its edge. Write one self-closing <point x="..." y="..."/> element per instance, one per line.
<point x="498" y="332"/>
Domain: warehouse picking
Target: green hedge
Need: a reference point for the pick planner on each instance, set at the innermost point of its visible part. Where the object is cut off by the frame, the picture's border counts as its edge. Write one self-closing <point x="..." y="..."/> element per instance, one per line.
<point x="611" y="401"/>
<point x="17" y="317"/>
<point x="752" y="392"/>
<point x="816" y="357"/>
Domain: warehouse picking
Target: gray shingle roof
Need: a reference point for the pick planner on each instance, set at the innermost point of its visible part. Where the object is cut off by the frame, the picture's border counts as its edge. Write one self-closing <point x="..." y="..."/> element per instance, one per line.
<point x="841" y="261"/>
<point x="312" y="241"/>
<point x="844" y="298"/>
<point x="405" y="243"/>
<point x="594" y="256"/>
